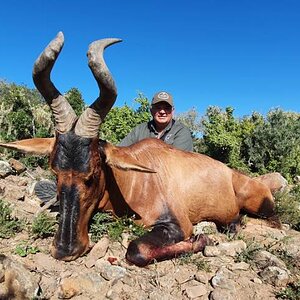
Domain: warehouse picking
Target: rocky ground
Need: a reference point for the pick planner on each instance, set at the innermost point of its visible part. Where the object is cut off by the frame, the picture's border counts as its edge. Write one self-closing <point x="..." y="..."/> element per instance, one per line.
<point x="257" y="263"/>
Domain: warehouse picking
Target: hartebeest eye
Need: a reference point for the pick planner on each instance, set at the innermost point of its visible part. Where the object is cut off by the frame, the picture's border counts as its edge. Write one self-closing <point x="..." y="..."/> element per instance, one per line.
<point x="88" y="181"/>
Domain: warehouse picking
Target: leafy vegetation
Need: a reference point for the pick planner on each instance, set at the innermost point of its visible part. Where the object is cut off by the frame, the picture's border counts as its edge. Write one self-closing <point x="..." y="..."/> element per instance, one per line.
<point x="44" y="225"/>
<point x="288" y="206"/>
<point x="291" y="292"/>
<point x="75" y="99"/>
<point x="120" y="120"/>
<point x="105" y="223"/>
<point x="9" y="225"/>
<point x="24" y="249"/>
<point x="247" y="255"/>
<point x="254" y="144"/>
<point x="199" y="262"/>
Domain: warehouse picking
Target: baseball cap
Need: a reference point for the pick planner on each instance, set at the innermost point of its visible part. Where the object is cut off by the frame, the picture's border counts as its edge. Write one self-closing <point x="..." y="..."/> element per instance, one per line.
<point x="162" y="97"/>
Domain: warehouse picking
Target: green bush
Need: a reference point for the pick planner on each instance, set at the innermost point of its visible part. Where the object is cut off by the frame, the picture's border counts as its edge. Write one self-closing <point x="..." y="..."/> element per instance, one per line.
<point x="9" y="225"/>
<point x="288" y="206"/>
<point x="121" y="120"/>
<point x="105" y="223"/>
<point x="44" y="225"/>
<point x="274" y="144"/>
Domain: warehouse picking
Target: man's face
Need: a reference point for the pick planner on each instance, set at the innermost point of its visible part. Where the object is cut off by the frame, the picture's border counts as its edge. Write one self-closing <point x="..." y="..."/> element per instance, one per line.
<point x="162" y="113"/>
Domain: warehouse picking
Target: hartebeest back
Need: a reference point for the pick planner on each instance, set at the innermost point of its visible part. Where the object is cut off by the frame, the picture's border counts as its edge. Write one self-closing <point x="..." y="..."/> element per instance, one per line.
<point x="165" y="188"/>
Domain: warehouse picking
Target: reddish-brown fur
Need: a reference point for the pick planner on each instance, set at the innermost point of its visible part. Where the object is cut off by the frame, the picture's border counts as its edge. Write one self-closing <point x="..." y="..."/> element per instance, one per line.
<point x="166" y="189"/>
<point x="194" y="186"/>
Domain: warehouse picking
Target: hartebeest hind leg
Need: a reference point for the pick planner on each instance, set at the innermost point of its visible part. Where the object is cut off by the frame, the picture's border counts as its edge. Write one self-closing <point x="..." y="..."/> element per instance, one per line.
<point x="255" y="198"/>
<point x="165" y="241"/>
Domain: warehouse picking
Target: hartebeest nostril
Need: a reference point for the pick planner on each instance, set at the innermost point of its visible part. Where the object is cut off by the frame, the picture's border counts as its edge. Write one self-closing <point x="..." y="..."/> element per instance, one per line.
<point x="61" y="252"/>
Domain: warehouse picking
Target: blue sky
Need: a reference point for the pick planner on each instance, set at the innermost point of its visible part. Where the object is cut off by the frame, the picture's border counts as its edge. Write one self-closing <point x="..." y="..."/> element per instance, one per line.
<point x="244" y="54"/>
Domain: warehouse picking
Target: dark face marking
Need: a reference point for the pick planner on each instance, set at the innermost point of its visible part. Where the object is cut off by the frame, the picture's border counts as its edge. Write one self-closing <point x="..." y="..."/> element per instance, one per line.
<point x="66" y="236"/>
<point x="72" y="153"/>
<point x="77" y="164"/>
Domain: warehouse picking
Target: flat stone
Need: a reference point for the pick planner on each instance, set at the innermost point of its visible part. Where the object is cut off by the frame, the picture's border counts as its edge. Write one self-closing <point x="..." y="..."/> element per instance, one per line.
<point x="223" y="294"/>
<point x="196" y="291"/>
<point x="98" y="251"/>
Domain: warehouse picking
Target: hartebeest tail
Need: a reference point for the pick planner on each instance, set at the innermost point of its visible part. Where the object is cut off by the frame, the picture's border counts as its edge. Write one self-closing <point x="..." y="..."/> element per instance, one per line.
<point x="165" y="188"/>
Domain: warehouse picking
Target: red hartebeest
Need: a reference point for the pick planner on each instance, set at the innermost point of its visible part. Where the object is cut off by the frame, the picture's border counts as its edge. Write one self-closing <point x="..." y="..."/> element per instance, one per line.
<point x="166" y="189"/>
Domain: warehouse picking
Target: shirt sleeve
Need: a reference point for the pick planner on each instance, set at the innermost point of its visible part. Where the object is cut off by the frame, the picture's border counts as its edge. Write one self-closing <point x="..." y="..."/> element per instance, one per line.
<point x="183" y="139"/>
<point x="129" y="139"/>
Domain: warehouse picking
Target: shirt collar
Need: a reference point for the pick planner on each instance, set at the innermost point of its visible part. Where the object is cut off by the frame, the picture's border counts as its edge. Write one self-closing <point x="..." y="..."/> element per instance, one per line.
<point x="152" y="126"/>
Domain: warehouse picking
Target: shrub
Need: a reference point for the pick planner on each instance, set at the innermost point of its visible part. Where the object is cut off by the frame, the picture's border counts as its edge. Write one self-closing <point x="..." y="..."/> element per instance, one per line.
<point x="105" y="223"/>
<point x="43" y="226"/>
<point x="288" y="206"/>
<point x="9" y="225"/>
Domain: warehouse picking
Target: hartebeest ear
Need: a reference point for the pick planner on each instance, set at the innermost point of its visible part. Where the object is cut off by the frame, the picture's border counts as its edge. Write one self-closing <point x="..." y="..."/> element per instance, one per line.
<point x="117" y="158"/>
<point x="37" y="146"/>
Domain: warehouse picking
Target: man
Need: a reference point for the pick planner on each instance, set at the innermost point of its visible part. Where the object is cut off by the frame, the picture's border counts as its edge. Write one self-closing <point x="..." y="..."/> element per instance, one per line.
<point x="162" y="126"/>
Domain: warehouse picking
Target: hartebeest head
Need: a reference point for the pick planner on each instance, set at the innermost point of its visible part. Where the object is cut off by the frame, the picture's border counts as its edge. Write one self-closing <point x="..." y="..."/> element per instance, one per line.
<point x="75" y="157"/>
<point x="74" y="152"/>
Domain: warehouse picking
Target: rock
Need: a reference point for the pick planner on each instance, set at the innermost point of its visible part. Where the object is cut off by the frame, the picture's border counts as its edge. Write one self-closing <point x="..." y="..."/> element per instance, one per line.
<point x="17" y="165"/>
<point x="257" y="280"/>
<point x="68" y="288"/>
<point x="98" y="251"/>
<point x="225" y="249"/>
<point x="266" y="235"/>
<point x="195" y="291"/>
<point x="17" y="278"/>
<point x="125" y="239"/>
<point x="82" y="284"/>
<point x="239" y="266"/>
<point x="47" y="263"/>
<point x="205" y="228"/>
<point x="275" y="275"/>
<point x="201" y="277"/>
<point x="222" y="279"/>
<point x="110" y="272"/>
<point x="223" y="294"/>
<point x="211" y="251"/>
<point x="275" y="181"/>
<point x="265" y="259"/>
<point x="45" y="190"/>
<point x="232" y="248"/>
<point x="183" y="275"/>
<point x="5" y="169"/>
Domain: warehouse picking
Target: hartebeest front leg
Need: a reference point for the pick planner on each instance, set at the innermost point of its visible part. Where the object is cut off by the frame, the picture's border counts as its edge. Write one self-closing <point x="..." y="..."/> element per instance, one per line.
<point x="165" y="241"/>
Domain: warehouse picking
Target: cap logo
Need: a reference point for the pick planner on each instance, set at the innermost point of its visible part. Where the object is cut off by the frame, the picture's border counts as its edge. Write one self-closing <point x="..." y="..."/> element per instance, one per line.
<point x="163" y="96"/>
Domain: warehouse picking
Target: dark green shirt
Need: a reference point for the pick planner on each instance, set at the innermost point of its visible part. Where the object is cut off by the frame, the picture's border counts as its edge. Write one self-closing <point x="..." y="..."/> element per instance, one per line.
<point x="175" y="134"/>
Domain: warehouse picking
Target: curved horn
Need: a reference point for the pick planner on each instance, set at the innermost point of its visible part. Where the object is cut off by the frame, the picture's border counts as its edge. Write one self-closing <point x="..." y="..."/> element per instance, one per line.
<point x="63" y="113"/>
<point x="90" y="120"/>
